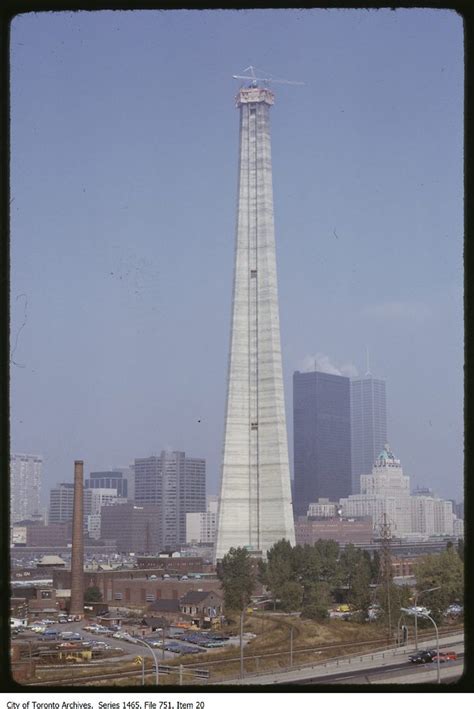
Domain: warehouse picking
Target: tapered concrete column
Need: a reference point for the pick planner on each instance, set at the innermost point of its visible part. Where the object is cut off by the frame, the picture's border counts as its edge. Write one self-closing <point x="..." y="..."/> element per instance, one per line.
<point x="255" y="498"/>
<point x="77" y="556"/>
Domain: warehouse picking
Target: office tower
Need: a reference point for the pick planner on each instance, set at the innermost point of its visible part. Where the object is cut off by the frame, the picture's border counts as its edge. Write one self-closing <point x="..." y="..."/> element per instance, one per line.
<point x="77" y="551"/>
<point x="111" y="479"/>
<point x="388" y="480"/>
<point x="61" y="502"/>
<point x="255" y="499"/>
<point x="201" y="526"/>
<point x="322" y="438"/>
<point x="25" y="486"/>
<point x="368" y="424"/>
<point x="431" y="516"/>
<point x="136" y="528"/>
<point x="94" y="500"/>
<point x="176" y="485"/>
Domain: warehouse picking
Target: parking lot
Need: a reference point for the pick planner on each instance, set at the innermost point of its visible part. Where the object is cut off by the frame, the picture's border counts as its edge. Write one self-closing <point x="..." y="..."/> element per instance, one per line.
<point x="181" y="643"/>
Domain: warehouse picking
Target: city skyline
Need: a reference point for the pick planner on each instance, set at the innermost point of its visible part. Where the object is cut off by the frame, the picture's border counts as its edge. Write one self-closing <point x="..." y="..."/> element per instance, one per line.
<point x="369" y="251"/>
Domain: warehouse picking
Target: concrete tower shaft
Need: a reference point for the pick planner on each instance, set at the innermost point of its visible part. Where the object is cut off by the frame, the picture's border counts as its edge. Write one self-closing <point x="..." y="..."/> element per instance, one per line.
<point x="77" y="553"/>
<point x="255" y="500"/>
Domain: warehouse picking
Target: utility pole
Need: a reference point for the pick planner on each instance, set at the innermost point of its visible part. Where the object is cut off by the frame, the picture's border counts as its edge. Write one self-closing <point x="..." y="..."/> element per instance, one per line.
<point x="386" y="567"/>
<point x="242" y="643"/>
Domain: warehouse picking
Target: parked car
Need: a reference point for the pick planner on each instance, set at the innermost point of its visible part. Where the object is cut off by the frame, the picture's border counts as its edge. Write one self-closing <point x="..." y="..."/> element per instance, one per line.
<point x="191" y="650"/>
<point x="128" y="638"/>
<point x="70" y="636"/>
<point x="422" y="657"/>
<point x="101" y="629"/>
<point x="50" y="634"/>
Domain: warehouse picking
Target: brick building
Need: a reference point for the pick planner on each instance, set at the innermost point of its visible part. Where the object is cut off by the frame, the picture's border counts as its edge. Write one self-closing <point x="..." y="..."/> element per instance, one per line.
<point x="175" y="564"/>
<point x="135" y="588"/>
<point x="343" y="531"/>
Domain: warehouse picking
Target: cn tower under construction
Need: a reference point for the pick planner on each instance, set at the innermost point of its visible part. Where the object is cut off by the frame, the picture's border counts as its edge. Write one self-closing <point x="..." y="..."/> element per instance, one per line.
<point x="255" y="509"/>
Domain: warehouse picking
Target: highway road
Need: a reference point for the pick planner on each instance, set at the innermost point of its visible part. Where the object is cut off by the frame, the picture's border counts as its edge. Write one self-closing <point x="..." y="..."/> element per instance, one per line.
<point x="398" y="673"/>
<point x="382" y="666"/>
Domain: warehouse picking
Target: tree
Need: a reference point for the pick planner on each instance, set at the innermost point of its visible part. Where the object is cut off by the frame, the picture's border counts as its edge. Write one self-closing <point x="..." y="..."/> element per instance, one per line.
<point x="92" y="595"/>
<point x="355" y="572"/>
<point x="237" y="577"/>
<point x="306" y="564"/>
<point x="291" y="596"/>
<point x="375" y="566"/>
<point x="461" y="549"/>
<point x="445" y="572"/>
<point x="328" y="551"/>
<point x="277" y="572"/>
<point x="399" y="597"/>
<point x="316" y="601"/>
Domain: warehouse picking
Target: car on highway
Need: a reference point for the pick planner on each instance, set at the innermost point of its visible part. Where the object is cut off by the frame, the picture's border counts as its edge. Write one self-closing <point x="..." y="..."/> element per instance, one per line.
<point x="454" y="610"/>
<point x="422" y="657"/>
<point x="445" y="656"/>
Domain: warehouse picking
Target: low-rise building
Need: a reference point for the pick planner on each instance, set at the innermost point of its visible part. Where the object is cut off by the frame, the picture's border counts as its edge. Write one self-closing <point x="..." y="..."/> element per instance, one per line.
<point x="204" y="605"/>
<point x="344" y="531"/>
<point x="137" y="588"/>
<point x="322" y="508"/>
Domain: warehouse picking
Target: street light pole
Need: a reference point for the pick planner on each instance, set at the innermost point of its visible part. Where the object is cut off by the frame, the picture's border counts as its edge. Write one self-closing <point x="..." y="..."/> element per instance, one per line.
<point x="142" y="642"/>
<point x="242" y="643"/>
<point x="419" y="593"/>
<point x="426" y="615"/>
<point x="244" y="608"/>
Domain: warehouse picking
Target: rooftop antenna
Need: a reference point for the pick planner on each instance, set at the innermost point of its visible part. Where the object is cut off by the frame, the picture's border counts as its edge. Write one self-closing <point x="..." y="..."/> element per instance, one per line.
<point x="367" y="374"/>
<point x="265" y="78"/>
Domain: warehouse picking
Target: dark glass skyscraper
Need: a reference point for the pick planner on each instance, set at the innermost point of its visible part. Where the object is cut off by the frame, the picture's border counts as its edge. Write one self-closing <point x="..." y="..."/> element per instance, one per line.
<point x="321" y="438"/>
<point x="110" y="479"/>
<point x="368" y="425"/>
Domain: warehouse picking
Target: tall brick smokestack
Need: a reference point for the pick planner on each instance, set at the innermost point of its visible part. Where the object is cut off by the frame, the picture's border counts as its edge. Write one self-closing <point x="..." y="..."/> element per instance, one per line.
<point x="77" y="556"/>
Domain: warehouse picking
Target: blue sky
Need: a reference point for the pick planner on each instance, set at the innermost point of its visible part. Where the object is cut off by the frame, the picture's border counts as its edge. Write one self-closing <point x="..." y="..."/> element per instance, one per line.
<point x="124" y="181"/>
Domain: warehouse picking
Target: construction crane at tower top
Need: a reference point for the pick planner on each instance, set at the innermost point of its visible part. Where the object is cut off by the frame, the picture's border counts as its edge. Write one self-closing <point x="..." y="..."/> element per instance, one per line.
<point x="265" y="78"/>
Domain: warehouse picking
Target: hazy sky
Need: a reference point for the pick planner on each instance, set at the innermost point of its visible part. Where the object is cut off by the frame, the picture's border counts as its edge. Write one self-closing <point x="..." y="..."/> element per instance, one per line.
<point x="124" y="182"/>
